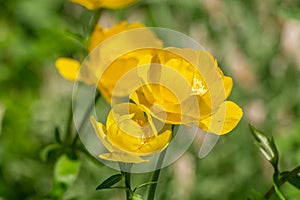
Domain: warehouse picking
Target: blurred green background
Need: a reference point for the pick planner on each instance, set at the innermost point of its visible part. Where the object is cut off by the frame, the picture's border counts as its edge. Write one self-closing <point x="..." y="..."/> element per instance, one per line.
<point x="256" y="42"/>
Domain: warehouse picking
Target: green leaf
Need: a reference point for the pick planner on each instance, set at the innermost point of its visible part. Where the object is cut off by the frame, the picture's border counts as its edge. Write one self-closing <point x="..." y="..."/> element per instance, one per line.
<point x="110" y="181"/>
<point x="257" y="196"/>
<point x="66" y="170"/>
<point x="57" y="136"/>
<point x="76" y="37"/>
<point x="145" y="184"/>
<point x="295" y="181"/>
<point x="65" y="174"/>
<point x="47" y="150"/>
<point x="266" y="146"/>
<point x="137" y="197"/>
<point x="278" y="192"/>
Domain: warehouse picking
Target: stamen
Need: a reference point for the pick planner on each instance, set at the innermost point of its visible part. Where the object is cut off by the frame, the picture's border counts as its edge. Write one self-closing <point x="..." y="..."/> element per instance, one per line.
<point x="141" y="122"/>
<point x="198" y="87"/>
<point x="143" y="142"/>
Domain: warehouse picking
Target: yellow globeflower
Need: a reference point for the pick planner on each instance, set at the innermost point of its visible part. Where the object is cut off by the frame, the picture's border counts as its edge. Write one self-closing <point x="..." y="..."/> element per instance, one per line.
<point x="100" y="34"/>
<point x="129" y="133"/>
<point x="113" y="42"/>
<point x="183" y="86"/>
<point x="110" y="4"/>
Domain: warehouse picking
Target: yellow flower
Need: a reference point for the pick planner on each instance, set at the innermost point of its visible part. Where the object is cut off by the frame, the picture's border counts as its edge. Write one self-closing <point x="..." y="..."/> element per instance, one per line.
<point x="100" y="34"/>
<point x="130" y="134"/>
<point x="114" y="42"/>
<point x="110" y="4"/>
<point x="185" y="86"/>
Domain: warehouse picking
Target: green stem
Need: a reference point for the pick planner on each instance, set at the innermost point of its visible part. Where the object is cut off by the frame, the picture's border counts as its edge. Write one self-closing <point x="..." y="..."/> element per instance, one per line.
<point x="86" y="116"/>
<point x="155" y="176"/>
<point x="125" y="170"/>
<point x="282" y="180"/>
<point x="91" y="26"/>
<point x="276" y="177"/>
<point x="127" y="185"/>
<point x="69" y="125"/>
<point x="94" y="21"/>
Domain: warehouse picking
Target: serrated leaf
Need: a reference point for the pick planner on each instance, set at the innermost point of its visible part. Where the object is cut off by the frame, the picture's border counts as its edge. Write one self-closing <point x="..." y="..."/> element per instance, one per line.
<point x="257" y="196"/>
<point x="110" y="181"/>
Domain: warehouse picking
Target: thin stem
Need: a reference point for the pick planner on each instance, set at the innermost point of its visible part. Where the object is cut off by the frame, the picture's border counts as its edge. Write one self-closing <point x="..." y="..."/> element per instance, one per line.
<point x="94" y="21"/>
<point x="88" y="32"/>
<point x="282" y="180"/>
<point x="69" y="124"/>
<point x="152" y="188"/>
<point x="125" y="170"/>
<point x="276" y="177"/>
<point x="86" y="116"/>
<point x="127" y="185"/>
<point x="92" y="25"/>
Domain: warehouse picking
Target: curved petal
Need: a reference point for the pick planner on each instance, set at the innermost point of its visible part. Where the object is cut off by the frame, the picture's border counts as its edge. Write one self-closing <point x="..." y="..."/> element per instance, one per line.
<point x="100" y="34"/>
<point x="110" y="4"/>
<point x="223" y="120"/>
<point x="122" y="157"/>
<point x="68" y="68"/>
<point x="89" y="4"/>
<point x="227" y="82"/>
<point x="142" y="146"/>
<point x="116" y="4"/>
<point x="115" y="153"/>
<point x="101" y="133"/>
<point x="122" y="114"/>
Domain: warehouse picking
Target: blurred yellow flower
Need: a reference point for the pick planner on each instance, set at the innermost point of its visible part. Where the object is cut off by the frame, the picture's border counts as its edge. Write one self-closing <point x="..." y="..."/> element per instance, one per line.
<point x="110" y="4"/>
<point x="100" y="34"/>
<point x="185" y="86"/>
<point x="112" y="46"/>
<point x="130" y="133"/>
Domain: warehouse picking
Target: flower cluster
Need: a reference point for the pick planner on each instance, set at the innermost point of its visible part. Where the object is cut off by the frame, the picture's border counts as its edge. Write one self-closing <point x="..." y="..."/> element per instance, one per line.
<point x="164" y="87"/>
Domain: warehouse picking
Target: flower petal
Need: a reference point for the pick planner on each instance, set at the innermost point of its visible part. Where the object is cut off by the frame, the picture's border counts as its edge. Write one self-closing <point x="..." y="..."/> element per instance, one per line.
<point x="101" y="133"/>
<point x="110" y="4"/>
<point x="68" y="68"/>
<point x="122" y="157"/>
<point x="89" y="4"/>
<point x="116" y="4"/>
<point x="227" y="82"/>
<point x="142" y="145"/>
<point x="100" y="34"/>
<point x="223" y="120"/>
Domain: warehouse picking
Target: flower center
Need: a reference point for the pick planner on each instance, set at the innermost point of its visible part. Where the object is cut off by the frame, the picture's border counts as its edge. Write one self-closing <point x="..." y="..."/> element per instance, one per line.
<point x="141" y="122"/>
<point x="143" y="140"/>
<point x="198" y="87"/>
